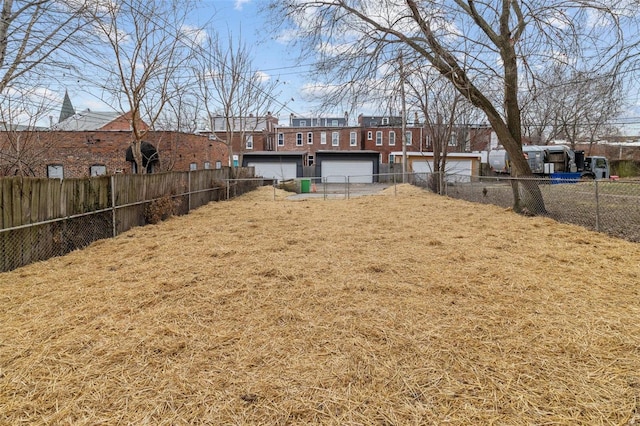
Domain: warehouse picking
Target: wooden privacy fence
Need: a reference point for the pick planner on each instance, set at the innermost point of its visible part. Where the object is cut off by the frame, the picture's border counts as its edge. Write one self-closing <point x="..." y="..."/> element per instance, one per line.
<point x="41" y="218"/>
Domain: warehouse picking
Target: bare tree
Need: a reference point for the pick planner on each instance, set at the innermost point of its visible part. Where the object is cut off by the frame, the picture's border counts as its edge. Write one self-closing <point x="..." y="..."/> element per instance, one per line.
<point x="181" y="115"/>
<point x="148" y="46"/>
<point x="585" y="104"/>
<point x="482" y="48"/>
<point x="238" y="99"/>
<point x="23" y="150"/>
<point x="571" y="105"/>
<point x="38" y="37"/>
<point x="39" y="41"/>
<point x="444" y="111"/>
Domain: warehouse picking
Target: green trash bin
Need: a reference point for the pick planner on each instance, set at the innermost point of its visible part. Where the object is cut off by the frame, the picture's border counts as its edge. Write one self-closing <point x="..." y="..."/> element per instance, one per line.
<point x="305" y="186"/>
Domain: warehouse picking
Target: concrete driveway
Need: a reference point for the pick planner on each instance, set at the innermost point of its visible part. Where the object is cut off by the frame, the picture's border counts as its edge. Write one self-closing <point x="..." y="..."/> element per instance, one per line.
<point x="341" y="190"/>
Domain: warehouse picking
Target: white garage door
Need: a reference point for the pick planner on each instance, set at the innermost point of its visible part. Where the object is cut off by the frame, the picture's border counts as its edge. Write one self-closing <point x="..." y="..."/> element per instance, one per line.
<point x="279" y="171"/>
<point x="422" y="166"/>
<point x="456" y="170"/>
<point x="337" y="171"/>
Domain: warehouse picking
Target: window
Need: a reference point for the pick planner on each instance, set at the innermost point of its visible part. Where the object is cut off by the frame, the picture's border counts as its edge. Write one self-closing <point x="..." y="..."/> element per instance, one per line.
<point x="193" y="166"/>
<point x="334" y="123"/>
<point x="298" y="139"/>
<point x="408" y="136"/>
<point x="385" y="121"/>
<point x="302" y="123"/>
<point x="249" y="141"/>
<point x="310" y="160"/>
<point x="323" y="138"/>
<point x="335" y="139"/>
<point x="378" y="138"/>
<point x="207" y="165"/>
<point x="452" y="141"/>
<point x="392" y="138"/>
<point x="310" y="138"/>
<point x="218" y="164"/>
<point x="280" y="139"/>
<point x="369" y="136"/>
<point x="98" y="170"/>
<point x="352" y="139"/>
<point x="55" y="171"/>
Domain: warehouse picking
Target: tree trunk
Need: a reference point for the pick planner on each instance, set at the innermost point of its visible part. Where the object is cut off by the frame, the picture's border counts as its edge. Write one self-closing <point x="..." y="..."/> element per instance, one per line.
<point x="527" y="197"/>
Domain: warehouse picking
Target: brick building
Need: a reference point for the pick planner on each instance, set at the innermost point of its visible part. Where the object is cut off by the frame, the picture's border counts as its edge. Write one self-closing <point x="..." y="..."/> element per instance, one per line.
<point x="246" y="134"/>
<point x="388" y="139"/>
<point x="309" y="140"/>
<point x="72" y="154"/>
<point x="91" y="143"/>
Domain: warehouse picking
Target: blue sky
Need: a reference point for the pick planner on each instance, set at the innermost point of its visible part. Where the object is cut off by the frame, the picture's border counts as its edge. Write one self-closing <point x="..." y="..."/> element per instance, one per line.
<point x="271" y="56"/>
<point x="277" y="60"/>
<point x="242" y="19"/>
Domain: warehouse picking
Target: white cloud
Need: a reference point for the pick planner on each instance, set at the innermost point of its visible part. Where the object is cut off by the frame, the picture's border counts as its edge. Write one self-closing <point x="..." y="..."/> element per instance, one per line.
<point x="315" y="90"/>
<point x="262" y="76"/>
<point x="197" y="35"/>
<point x="240" y="4"/>
<point x="287" y="36"/>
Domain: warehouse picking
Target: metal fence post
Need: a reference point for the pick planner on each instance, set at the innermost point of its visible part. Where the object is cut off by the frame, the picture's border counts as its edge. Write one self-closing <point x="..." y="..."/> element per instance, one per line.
<point x="189" y="191"/>
<point x="597" y="207"/>
<point x="113" y="205"/>
<point x="395" y="187"/>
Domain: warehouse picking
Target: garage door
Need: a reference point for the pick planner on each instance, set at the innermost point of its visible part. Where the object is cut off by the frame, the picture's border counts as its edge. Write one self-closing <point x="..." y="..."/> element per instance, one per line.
<point x="457" y="170"/>
<point x="279" y="171"/>
<point x="337" y="171"/>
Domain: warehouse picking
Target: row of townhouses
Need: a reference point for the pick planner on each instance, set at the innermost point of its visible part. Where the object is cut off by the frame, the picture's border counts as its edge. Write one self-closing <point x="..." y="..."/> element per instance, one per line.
<point x="93" y="143"/>
<point x="330" y="148"/>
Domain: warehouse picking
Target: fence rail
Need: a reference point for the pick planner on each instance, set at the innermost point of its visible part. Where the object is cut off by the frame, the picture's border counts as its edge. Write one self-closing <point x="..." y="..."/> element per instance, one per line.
<point x="43" y="218"/>
<point x="608" y="206"/>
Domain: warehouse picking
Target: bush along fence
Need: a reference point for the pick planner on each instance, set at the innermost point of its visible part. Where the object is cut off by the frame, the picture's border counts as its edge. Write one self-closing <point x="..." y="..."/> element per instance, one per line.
<point x="43" y="218"/>
<point x="608" y="206"/>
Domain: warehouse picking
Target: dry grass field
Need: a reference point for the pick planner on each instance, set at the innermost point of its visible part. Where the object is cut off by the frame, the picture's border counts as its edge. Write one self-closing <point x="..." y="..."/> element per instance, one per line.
<point x="380" y="310"/>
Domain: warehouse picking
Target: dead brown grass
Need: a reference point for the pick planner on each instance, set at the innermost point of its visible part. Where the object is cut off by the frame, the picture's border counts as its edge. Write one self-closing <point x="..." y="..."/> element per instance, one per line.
<point x="380" y="310"/>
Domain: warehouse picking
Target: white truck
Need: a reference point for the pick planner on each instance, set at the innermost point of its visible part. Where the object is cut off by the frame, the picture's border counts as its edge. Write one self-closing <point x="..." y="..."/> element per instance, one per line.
<point x="555" y="161"/>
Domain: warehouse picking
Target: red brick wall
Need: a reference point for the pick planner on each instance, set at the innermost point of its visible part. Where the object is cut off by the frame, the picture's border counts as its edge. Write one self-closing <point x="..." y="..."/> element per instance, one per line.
<point x="344" y="139"/>
<point x="78" y="151"/>
<point x="122" y="123"/>
<point x="480" y="138"/>
<point x="417" y="140"/>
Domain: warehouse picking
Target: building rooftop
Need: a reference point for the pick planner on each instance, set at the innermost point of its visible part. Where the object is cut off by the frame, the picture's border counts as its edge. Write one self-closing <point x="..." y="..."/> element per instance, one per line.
<point x="87" y="120"/>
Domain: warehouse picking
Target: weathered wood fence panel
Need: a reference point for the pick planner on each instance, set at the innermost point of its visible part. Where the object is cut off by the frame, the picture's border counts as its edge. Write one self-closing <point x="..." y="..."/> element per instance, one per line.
<point x="42" y="218"/>
<point x="207" y="186"/>
<point x="40" y="202"/>
<point x="134" y="191"/>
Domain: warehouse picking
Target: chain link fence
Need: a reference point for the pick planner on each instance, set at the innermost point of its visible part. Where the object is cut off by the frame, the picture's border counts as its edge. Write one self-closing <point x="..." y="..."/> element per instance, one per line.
<point x="608" y="206"/>
<point x="122" y="205"/>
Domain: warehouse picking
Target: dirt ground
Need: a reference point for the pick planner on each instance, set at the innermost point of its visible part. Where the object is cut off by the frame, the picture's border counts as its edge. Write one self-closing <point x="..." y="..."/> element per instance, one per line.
<point x="378" y="310"/>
